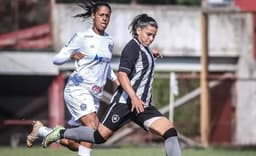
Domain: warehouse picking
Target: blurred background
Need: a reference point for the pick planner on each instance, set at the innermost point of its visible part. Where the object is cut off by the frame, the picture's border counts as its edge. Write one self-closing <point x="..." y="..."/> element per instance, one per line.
<point x="205" y="83"/>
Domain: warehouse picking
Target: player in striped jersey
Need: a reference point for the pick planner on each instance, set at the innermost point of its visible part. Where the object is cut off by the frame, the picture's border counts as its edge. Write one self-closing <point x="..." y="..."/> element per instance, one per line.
<point x="132" y="101"/>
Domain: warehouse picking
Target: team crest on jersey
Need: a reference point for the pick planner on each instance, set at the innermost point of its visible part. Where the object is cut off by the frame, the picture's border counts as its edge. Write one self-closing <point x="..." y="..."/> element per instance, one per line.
<point x="83" y="106"/>
<point x="115" y="118"/>
<point x="96" y="89"/>
<point x="110" y="47"/>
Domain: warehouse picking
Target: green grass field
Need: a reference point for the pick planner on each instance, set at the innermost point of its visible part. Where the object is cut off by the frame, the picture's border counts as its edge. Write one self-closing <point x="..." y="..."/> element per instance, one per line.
<point x="124" y="151"/>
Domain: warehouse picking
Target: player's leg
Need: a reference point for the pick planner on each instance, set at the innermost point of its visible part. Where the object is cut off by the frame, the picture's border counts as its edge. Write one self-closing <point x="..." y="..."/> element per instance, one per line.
<point x="70" y="144"/>
<point x="151" y="119"/>
<point x="38" y="130"/>
<point x="74" y="145"/>
<point x="84" y="133"/>
<point x="83" y="107"/>
<point x="164" y="128"/>
<point x="116" y="116"/>
<point x="90" y="120"/>
<point x="83" y="148"/>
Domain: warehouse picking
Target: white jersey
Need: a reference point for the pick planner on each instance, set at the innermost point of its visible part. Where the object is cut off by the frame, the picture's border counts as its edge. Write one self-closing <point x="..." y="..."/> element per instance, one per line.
<point x="92" y="71"/>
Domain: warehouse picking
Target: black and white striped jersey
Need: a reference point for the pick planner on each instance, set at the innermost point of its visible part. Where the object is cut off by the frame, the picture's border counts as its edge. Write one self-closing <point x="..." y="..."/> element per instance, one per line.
<point x="138" y="62"/>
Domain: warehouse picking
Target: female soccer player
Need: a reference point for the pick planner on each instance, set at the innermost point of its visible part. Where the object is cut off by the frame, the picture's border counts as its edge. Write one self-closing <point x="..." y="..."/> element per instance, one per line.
<point x="132" y="101"/>
<point x="92" y="52"/>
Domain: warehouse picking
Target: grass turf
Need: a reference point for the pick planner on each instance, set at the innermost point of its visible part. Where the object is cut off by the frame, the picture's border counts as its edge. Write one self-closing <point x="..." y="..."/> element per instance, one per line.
<point x="124" y="151"/>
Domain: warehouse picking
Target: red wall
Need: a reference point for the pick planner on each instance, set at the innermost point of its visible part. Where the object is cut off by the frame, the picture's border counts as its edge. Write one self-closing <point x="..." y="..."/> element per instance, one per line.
<point x="221" y="115"/>
<point x="246" y="5"/>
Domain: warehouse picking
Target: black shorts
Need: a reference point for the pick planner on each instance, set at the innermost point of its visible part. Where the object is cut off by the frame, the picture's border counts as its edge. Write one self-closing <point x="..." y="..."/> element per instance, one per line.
<point x="119" y="114"/>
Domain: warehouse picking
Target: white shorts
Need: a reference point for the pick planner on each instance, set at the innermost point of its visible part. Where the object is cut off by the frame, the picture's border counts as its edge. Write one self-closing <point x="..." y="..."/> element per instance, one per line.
<point x="79" y="102"/>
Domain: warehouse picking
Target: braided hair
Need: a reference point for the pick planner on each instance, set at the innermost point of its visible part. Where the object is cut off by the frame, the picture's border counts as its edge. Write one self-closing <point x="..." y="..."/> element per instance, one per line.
<point x="91" y="7"/>
<point x="141" y="21"/>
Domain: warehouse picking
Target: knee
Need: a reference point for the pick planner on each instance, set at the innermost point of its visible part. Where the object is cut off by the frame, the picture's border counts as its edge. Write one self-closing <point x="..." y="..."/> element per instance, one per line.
<point x="90" y="120"/>
<point x="94" y="125"/>
<point x="170" y="133"/>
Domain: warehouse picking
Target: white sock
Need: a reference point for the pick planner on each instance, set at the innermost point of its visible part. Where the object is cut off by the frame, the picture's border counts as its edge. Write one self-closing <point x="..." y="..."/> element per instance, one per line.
<point x="84" y="151"/>
<point x="44" y="131"/>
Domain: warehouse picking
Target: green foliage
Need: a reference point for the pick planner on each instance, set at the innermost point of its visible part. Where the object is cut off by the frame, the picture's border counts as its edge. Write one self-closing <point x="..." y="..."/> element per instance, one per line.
<point x="189" y="2"/>
<point x="160" y="92"/>
<point x="186" y="117"/>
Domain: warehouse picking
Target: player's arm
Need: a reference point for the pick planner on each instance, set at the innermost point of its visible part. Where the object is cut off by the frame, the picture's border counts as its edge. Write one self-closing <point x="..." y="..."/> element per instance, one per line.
<point x="69" y="52"/>
<point x="112" y="76"/>
<point x="156" y="53"/>
<point x="117" y="83"/>
<point x="137" y="103"/>
<point x="128" y="59"/>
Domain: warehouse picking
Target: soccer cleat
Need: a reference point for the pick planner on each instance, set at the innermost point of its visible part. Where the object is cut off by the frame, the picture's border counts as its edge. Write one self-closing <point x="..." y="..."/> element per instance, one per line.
<point x="53" y="136"/>
<point x="34" y="133"/>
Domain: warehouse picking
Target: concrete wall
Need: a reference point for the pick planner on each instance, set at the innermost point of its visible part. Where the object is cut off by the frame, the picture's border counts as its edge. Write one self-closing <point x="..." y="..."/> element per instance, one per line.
<point x="245" y="89"/>
<point x="179" y="29"/>
<point x="245" y="127"/>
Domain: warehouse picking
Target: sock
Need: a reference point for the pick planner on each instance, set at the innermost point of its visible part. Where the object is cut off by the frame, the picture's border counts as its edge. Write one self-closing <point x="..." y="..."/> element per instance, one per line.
<point x="172" y="146"/>
<point x="84" y="151"/>
<point x="44" y="131"/>
<point x="81" y="133"/>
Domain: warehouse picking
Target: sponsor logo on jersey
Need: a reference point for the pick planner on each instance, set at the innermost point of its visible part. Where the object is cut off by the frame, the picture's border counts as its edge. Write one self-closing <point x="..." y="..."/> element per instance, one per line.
<point x="83" y="106"/>
<point x="88" y="36"/>
<point x="101" y="59"/>
<point x="115" y="118"/>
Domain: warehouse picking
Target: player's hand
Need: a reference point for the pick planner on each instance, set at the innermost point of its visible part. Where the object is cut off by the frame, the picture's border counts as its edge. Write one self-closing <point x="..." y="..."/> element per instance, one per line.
<point x="156" y="53"/>
<point x="77" y="56"/>
<point x="137" y="104"/>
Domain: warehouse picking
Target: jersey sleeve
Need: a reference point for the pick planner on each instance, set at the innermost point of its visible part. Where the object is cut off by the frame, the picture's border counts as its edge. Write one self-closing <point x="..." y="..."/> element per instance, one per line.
<point x="111" y="74"/>
<point x="128" y="58"/>
<point x="71" y="47"/>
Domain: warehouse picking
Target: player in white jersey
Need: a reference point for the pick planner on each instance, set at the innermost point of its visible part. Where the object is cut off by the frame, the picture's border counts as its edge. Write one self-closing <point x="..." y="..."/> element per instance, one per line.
<point x="85" y="85"/>
<point x="92" y="51"/>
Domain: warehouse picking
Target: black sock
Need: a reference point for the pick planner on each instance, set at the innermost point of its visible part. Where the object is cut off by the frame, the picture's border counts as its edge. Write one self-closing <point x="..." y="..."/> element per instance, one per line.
<point x="62" y="133"/>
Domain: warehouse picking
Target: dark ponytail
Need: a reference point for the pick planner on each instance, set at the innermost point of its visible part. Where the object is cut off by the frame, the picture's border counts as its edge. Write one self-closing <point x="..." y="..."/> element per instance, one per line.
<point x="141" y="21"/>
<point x="91" y="7"/>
